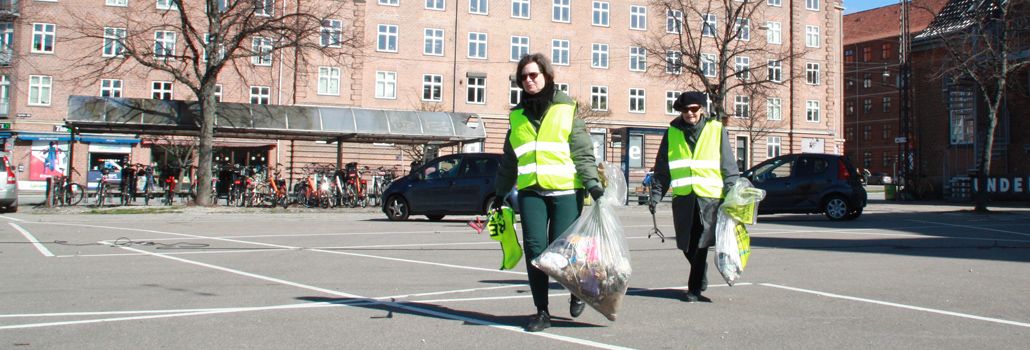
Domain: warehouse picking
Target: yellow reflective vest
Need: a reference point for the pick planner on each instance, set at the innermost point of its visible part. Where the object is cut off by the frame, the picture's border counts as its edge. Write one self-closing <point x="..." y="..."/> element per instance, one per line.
<point x="544" y="155"/>
<point x="698" y="170"/>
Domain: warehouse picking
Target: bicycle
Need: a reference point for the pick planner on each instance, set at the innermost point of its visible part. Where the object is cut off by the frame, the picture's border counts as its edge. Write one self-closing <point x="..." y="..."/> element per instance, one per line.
<point x="66" y="192"/>
<point x="103" y="187"/>
<point x="128" y="185"/>
<point x="149" y="185"/>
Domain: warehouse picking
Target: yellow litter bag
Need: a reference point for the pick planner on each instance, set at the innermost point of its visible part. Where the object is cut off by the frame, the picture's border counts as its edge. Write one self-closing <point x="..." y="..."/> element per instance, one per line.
<point x="502" y="228"/>
<point x="732" y="242"/>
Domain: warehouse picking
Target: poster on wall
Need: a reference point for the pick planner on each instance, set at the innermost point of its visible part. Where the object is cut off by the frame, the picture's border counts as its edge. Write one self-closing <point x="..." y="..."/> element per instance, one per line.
<point x="48" y="158"/>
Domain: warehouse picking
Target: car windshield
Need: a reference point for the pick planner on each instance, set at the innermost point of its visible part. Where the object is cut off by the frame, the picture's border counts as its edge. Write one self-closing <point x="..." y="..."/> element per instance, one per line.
<point x="778" y="168"/>
<point x="441" y="169"/>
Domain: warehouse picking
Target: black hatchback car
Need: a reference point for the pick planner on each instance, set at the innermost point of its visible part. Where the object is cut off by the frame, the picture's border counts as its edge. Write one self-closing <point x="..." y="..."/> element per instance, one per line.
<point x="457" y="184"/>
<point x="809" y="183"/>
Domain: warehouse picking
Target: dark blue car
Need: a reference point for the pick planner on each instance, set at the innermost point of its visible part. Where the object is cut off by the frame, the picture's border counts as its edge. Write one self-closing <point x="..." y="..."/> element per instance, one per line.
<point x="457" y="184"/>
<point x="809" y="183"/>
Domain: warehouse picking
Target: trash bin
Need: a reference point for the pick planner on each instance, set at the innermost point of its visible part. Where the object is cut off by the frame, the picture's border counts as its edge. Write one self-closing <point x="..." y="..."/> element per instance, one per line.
<point x="889" y="191"/>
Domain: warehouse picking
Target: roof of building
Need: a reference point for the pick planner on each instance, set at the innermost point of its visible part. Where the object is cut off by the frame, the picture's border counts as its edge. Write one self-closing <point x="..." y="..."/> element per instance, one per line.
<point x="958" y="15"/>
<point x="885" y="22"/>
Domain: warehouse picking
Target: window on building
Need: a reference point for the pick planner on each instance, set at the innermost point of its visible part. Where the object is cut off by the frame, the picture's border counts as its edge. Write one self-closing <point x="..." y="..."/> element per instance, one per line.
<point x="772" y="33"/>
<point x="867" y="54"/>
<point x="5" y="95"/>
<point x="742" y="67"/>
<point x="167" y="5"/>
<point x="708" y="23"/>
<point x="812" y="73"/>
<point x="886" y="132"/>
<point x="849" y="133"/>
<point x="674" y="21"/>
<point x="520" y="9"/>
<point x="164" y="44"/>
<point x="390" y="2"/>
<point x="111" y="88"/>
<point x="673" y="62"/>
<point x="849" y="108"/>
<point x="519" y="47"/>
<point x="812" y="38"/>
<point x="560" y="52"/>
<point x="562" y="87"/>
<point x="886" y="104"/>
<point x="742" y="152"/>
<point x="599" y="98"/>
<point x="849" y="56"/>
<point x="329" y="81"/>
<point x="636" y="100"/>
<point x="742" y="106"/>
<point x="708" y="65"/>
<point x="435" y="5"/>
<point x="218" y="93"/>
<point x="263" y="51"/>
<point x="331" y="33"/>
<point x="867" y="105"/>
<point x="114" y="39"/>
<point x="867" y="81"/>
<point x="386" y="40"/>
<point x="560" y="11"/>
<point x="116" y="2"/>
<point x="161" y="90"/>
<point x="867" y="132"/>
<point x="772" y="147"/>
<point x="774" y="2"/>
<point x="432" y="87"/>
<point x="599" y="56"/>
<point x="812" y="5"/>
<point x="888" y="159"/>
<point x="886" y="51"/>
<point x="600" y="13"/>
<point x="775" y="71"/>
<point x="40" y="87"/>
<point x="432" y="42"/>
<point x="637" y="17"/>
<point x="962" y="120"/>
<point x="514" y="93"/>
<point x="264" y="8"/>
<point x="203" y="51"/>
<point x="742" y="27"/>
<point x="812" y="110"/>
<point x="476" y="90"/>
<point x="479" y="7"/>
<point x="867" y="159"/>
<point x="774" y="108"/>
<point x="260" y="95"/>
<point x="670" y="99"/>
<point x="637" y="59"/>
<point x="477" y="45"/>
<point x="386" y="85"/>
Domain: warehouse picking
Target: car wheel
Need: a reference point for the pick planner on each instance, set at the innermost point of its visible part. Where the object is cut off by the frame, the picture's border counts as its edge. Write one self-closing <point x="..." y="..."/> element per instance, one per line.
<point x="854" y="214"/>
<point x="397" y="209"/>
<point x="435" y="217"/>
<point x="836" y="208"/>
<point x="488" y="207"/>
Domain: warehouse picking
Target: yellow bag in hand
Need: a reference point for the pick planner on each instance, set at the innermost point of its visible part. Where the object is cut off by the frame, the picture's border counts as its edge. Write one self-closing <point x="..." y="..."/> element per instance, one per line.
<point x="502" y="228"/>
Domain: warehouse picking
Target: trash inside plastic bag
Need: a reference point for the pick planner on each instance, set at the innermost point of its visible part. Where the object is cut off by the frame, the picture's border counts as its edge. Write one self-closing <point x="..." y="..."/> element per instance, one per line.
<point x="591" y="258"/>
<point x="502" y="228"/>
<point x="732" y="242"/>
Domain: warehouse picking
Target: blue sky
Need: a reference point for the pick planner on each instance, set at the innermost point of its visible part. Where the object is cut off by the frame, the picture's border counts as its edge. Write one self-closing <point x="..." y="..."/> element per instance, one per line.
<point x="852" y="6"/>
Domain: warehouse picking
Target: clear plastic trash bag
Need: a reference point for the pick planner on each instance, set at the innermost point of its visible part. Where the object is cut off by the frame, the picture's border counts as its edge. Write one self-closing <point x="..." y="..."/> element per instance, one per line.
<point x="591" y="258"/>
<point x="732" y="243"/>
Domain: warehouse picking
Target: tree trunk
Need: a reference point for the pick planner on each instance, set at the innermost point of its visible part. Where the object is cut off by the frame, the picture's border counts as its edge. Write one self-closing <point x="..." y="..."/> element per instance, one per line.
<point x="207" y="136"/>
<point x="980" y="199"/>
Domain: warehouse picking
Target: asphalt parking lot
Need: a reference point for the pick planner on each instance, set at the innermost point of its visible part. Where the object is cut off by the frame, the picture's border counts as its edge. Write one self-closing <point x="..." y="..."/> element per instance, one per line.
<point x="901" y="276"/>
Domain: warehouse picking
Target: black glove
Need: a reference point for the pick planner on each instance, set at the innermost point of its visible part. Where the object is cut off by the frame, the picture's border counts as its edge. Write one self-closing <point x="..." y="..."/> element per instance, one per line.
<point x="596" y="192"/>
<point x="498" y="202"/>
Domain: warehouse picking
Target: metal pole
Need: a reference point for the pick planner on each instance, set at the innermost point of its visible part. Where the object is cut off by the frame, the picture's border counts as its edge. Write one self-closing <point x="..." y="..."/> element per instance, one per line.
<point x="905" y="95"/>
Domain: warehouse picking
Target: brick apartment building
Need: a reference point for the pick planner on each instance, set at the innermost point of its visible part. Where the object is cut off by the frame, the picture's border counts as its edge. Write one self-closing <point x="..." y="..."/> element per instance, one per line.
<point x="438" y="55"/>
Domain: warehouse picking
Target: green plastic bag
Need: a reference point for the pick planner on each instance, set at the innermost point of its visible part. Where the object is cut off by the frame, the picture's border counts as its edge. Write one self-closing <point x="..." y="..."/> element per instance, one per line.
<point x="502" y="228"/>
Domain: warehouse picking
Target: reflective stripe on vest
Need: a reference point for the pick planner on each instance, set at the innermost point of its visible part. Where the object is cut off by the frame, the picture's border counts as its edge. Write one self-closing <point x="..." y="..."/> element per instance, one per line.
<point x="697" y="170"/>
<point x="544" y="156"/>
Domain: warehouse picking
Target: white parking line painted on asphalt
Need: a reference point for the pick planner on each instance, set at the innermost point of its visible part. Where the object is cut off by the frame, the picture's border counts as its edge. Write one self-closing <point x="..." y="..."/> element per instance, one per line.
<point x="32" y="239"/>
<point x="904" y="235"/>
<point x="973" y="227"/>
<point x="11" y="218"/>
<point x="254" y="250"/>
<point x="903" y="306"/>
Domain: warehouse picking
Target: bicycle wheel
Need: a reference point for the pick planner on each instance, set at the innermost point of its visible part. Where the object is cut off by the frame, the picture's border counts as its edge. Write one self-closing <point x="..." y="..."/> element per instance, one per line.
<point x="73" y="194"/>
<point x="101" y="192"/>
<point x="364" y="196"/>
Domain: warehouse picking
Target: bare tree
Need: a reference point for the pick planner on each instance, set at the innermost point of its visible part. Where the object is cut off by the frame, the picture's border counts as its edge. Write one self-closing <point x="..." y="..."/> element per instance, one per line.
<point x="755" y="122"/>
<point x="590" y="115"/>
<point x="195" y="42"/>
<point x="984" y="44"/>
<point x="711" y="46"/>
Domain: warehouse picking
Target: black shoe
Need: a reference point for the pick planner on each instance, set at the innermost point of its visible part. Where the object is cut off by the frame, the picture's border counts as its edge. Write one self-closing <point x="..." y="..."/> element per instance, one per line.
<point x="539" y="322"/>
<point x="693" y="297"/>
<point x="576" y="307"/>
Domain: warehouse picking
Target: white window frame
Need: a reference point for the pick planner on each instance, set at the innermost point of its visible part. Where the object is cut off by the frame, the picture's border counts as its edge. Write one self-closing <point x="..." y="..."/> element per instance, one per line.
<point x="773" y="148"/>
<point x="670" y="99"/>
<point x="113" y="42"/>
<point x="773" y="33"/>
<point x="259" y="94"/>
<point x="600" y="14"/>
<point x="812" y="73"/>
<point x="776" y="3"/>
<point x="436" y="5"/>
<point x="203" y="51"/>
<point x="812" y="5"/>
<point x="773" y="108"/>
<point x="386" y="38"/>
<point x="673" y="62"/>
<point x="389" y="2"/>
<point x="775" y="71"/>
<point x="386" y="85"/>
<point x="598" y="98"/>
<point x="329" y="81"/>
<point x="521" y="9"/>
<point x="742" y="106"/>
<point x="432" y="42"/>
<point x="812" y="112"/>
<point x="43" y="34"/>
<point x="560" y="52"/>
<point x="708" y="65"/>
<point x="743" y="28"/>
<point x="267" y="8"/>
<point x="118" y="3"/>
<point x="262" y="51"/>
<point x="563" y="87"/>
<point x="41" y="88"/>
<point x="599" y="56"/>
<point x="479" y="7"/>
<point x="561" y="11"/>
<point x="331" y="34"/>
<point x="164" y="44"/>
<point x="111" y="87"/>
<point x="637" y="59"/>
<point x="514" y="93"/>
<point x="742" y="67"/>
<point x="637" y="17"/>
<point x="159" y="89"/>
<point x="637" y="100"/>
<point x="519" y="48"/>
<point x="708" y="24"/>
<point x="812" y="37"/>
<point x="432" y="88"/>
<point x="477" y="45"/>
<point x="168" y="5"/>
<point x="476" y="92"/>
<point x="218" y="92"/>
<point x="673" y="21"/>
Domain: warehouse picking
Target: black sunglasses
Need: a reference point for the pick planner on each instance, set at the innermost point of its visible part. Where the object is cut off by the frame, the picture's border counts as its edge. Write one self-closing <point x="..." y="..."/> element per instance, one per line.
<point x="532" y="76"/>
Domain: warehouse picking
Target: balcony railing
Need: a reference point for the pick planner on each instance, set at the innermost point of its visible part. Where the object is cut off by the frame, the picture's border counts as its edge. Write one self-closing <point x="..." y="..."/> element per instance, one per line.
<point x="9" y="8"/>
<point x="5" y="56"/>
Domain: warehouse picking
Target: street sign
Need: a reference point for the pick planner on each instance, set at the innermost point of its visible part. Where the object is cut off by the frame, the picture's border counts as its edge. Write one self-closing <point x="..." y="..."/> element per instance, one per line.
<point x="900" y="139"/>
<point x="5" y="126"/>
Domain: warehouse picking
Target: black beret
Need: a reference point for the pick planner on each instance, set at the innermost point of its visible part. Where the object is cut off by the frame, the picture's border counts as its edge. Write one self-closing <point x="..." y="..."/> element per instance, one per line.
<point x="689" y="98"/>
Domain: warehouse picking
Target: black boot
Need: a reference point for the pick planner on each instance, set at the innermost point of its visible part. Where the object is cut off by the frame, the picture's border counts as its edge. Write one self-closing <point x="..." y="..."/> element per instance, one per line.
<point x="539" y="322"/>
<point x="576" y="307"/>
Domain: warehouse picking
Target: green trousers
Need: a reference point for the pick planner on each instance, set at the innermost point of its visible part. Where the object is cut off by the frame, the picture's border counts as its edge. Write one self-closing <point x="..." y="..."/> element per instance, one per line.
<point x="544" y="218"/>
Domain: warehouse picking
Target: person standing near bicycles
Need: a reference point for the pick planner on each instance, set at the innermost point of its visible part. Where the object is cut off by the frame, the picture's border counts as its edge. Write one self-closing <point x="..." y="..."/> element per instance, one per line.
<point x="549" y="154"/>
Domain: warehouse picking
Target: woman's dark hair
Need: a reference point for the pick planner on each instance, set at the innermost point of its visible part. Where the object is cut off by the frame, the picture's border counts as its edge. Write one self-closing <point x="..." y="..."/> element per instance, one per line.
<point x="542" y="62"/>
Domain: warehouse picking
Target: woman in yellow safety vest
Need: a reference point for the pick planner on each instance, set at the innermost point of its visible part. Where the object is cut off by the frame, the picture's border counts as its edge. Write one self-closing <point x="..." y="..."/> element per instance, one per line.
<point x="694" y="161"/>
<point x="549" y="155"/>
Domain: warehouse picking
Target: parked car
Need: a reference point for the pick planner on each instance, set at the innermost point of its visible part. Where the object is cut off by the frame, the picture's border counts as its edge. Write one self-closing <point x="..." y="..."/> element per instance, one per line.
<point x="457" y="184"/>
<point x="880" y="179"/>
<point x="8" y="188"/>
<point x="809" y="183"/>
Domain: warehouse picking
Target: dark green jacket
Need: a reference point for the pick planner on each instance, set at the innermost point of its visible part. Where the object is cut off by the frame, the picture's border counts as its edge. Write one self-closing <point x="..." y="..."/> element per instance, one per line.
<point x="581" y="146"/>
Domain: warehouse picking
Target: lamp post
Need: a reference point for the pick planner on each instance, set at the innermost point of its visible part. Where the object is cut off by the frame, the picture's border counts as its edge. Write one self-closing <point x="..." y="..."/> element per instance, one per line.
<point x="904" y="140"/>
